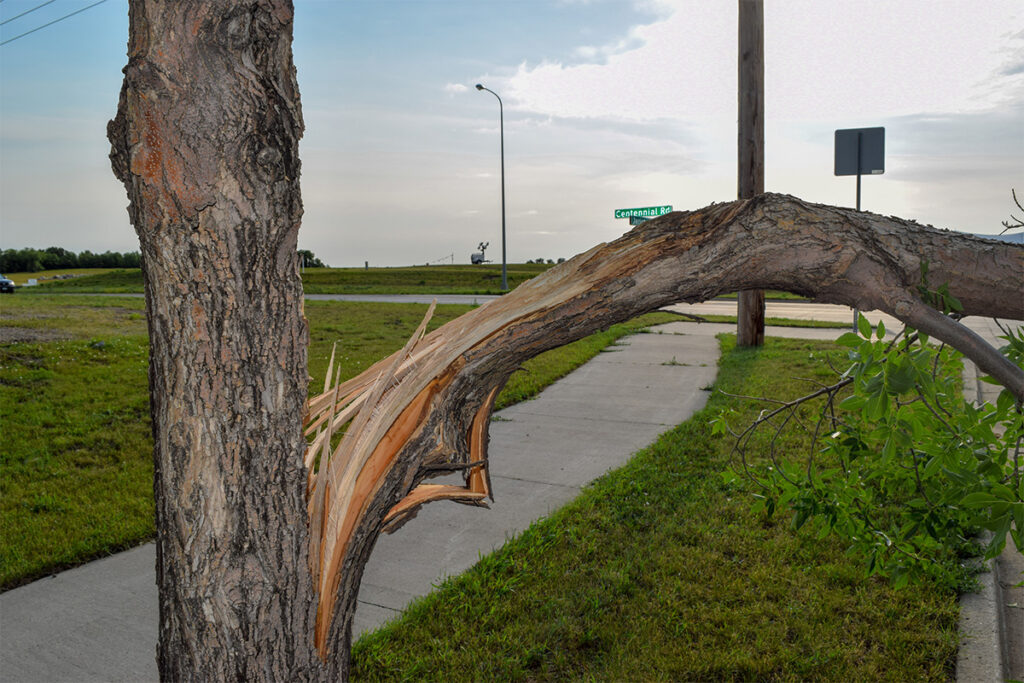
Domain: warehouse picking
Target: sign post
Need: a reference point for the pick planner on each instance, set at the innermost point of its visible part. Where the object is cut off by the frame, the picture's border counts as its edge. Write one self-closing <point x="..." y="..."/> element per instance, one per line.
<point x="860" y="151"/>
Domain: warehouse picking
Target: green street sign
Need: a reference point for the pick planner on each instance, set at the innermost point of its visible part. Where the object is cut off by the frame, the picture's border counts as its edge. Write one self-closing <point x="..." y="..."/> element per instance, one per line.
<point x="644" y="212"/>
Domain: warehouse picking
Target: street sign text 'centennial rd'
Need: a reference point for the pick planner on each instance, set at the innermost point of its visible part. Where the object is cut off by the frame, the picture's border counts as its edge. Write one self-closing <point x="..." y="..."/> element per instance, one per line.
<point x="644" y="212"/>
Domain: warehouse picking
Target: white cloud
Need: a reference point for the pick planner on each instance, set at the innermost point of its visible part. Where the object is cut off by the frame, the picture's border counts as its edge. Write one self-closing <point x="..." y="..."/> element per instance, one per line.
<point x="863" y="60"/>
<point x="455" y="88"/>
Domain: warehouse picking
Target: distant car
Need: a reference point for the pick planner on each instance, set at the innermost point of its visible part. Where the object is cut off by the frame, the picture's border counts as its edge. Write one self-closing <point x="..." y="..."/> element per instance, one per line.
<point x="6" y="285"/>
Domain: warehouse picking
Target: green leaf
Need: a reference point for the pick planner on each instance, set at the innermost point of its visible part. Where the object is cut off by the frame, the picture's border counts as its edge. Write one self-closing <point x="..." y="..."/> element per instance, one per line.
<point x="1005" y="400"/>
<point x="851" y="339"/>
<point x="978" y="500"/>
<point x="852" y="403"/>
<point x="1003" y="493"/>
<point x="999" y="531"/>
<point x="876" y="406"/>
<point x="899" y="376"/>
<point x="880" y="330"/>
<point x="888" y="450"/>
<point x="1017" y="512"/>
<point x="863" y="326"/>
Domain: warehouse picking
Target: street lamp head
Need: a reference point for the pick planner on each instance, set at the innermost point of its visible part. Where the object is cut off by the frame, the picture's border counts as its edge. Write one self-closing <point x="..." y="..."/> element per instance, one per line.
<point x="479" y="87"/>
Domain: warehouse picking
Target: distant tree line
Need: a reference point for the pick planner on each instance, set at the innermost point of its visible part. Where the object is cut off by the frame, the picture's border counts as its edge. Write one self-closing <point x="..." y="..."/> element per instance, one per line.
<point x="309" y="260"/>
<point x="58" y="258"/>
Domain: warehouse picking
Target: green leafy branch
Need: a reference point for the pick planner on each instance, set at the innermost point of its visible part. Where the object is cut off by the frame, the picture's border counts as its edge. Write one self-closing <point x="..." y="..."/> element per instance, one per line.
<point x="908" y="470"/>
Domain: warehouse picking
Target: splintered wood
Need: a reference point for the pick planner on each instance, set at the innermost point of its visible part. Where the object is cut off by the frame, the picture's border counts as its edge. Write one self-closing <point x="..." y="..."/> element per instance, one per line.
<point x="381" y="410"/>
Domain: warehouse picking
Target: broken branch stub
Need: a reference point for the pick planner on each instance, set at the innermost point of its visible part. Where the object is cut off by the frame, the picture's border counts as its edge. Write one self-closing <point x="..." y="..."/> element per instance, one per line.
<point x="425" y="409"/>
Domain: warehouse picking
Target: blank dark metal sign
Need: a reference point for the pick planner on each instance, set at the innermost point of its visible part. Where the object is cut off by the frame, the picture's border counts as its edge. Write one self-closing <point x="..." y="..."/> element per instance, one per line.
<point x="860" y="151"/>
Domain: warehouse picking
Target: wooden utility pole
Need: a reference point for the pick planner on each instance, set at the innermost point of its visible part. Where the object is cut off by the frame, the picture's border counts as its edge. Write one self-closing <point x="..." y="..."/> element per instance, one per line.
<point x="750" y="150"/>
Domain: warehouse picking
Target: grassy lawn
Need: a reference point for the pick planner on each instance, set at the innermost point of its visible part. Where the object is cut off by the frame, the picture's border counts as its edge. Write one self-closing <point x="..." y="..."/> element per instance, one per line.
<point x="76" y="467"/>
<point x="780" y="322"/>
<point x="481" y="279"/>
<point x="94" y="280"/>
<point x="659" y="571"/>
<point x="461" y="279"/>
<point x="21" y="279"/>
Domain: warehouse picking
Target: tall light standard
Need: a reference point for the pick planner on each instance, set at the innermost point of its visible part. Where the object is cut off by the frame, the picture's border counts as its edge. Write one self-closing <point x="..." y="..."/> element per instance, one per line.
<point x="501" y="129"/>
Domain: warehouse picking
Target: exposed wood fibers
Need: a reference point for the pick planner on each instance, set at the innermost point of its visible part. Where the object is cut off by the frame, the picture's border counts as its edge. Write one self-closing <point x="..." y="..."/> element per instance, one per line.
<point x="344" y="482"/>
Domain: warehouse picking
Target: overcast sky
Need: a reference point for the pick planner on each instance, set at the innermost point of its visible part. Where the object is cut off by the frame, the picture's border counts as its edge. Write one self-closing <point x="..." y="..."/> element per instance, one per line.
<point x="608" y="104"/>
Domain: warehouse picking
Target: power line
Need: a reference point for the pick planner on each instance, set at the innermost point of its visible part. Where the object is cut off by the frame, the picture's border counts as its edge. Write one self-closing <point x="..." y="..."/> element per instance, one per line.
<point x="51" y="23"/>
<point x="28" y="11"/>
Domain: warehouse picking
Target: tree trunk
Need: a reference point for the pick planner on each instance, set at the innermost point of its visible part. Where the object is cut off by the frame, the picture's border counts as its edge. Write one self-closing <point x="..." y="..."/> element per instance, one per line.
<point x="425" y="409"/>
<point x="206" y="142"/>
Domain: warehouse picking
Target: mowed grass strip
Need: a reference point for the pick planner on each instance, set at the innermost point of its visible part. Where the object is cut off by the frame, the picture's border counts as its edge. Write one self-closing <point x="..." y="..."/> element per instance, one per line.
<point x="453" y="279"/>
<point x="460" y="279"/>
<point x="45" y="317"/>
<point x="114" y="281"/>
<point x="659" y="571"/>
<point x="21" y="279"/>
<point x="76" y="462"/>
<point x="780" y="322"/>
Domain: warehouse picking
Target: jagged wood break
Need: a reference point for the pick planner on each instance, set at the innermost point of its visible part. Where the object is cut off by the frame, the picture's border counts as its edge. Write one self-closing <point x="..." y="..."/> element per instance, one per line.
<point x="425" y="409"/>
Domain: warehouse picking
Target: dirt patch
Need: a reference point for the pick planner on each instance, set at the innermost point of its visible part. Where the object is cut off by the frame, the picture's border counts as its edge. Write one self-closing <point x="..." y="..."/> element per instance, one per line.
<point x="30" y="334"/>
<point x="28" y="315"/>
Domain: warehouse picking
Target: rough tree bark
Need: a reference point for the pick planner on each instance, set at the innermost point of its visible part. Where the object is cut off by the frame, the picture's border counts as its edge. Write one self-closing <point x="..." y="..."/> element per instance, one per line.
<point x="206" y="143"/>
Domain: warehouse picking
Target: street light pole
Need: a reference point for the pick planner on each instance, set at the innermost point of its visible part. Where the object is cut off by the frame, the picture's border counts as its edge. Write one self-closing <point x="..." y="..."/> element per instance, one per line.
<point x="501" y="132"/>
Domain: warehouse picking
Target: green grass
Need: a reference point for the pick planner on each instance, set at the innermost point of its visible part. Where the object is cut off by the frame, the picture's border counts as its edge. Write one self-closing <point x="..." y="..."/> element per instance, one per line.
<point x="21" y="279"/>
<point x="76" y="469"/>
<point x="461" y="279"/>
<point x="659" y="571"/>
<point x="42" y="317"/>
<point x="780" y="322"/>
<point x="481" y="279"/>
<point x="116" y="281"/>
<point x="772" y="295"/>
